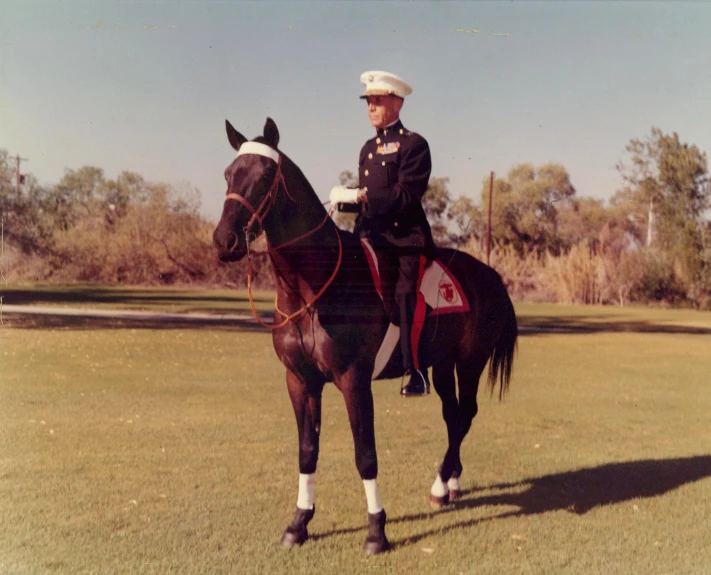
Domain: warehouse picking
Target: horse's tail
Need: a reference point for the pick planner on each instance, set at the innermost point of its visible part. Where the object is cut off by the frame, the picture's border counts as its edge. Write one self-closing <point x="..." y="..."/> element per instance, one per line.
<point x="501" y="358"/>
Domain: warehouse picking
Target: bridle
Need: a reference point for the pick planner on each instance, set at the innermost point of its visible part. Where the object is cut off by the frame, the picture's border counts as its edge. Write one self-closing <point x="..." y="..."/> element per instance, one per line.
<point x="263" y="209"/>
<point x="259" y="214"/>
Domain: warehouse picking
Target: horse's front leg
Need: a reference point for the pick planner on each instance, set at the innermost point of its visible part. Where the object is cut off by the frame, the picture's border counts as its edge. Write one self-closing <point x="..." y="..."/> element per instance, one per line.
<point x="306" y="400"/>
<point x="355" y="386"/>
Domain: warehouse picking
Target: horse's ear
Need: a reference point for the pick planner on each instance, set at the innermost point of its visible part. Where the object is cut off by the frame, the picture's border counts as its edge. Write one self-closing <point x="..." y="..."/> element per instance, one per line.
<point x="236" y="139"/>
<point x="271" y="133"/>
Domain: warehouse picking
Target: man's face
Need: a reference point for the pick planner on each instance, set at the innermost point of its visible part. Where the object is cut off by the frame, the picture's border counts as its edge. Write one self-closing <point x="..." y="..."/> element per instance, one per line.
<point x="383" y="110"/>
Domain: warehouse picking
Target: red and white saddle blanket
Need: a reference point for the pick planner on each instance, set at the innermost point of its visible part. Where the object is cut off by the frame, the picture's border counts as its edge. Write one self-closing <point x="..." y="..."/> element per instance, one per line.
<point x="438" y="288"/>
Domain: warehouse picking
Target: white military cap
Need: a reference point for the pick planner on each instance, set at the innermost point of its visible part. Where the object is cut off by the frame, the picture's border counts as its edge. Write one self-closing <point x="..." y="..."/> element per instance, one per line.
<point x="380" y="83"/>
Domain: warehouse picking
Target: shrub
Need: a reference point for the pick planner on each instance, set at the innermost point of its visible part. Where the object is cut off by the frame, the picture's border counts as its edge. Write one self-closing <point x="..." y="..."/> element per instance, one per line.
<point x="658" y="282"/>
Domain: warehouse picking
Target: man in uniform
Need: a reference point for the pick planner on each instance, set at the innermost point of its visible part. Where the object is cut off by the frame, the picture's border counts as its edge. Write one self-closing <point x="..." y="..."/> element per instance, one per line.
<point x="394" y="170"/>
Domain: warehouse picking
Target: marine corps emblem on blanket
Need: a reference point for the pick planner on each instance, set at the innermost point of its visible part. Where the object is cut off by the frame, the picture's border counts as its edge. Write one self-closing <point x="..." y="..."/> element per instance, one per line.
<point x="446" y="291"/>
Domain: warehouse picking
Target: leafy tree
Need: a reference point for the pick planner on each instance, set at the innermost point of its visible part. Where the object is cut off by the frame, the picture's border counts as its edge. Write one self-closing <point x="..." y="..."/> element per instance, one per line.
<point x="580" y="221"/>
<point x="26" y="225"/>
<point x="116" y="195"/>
<point x="437" y="202"/>
<point x="77" y="192"/>
<point x="665" y="196"/>
<point x="704" y="283"/>
<point x="469" y="220"/>
<point x="524" y="211"/>
<point x="666" y="178"/>
<point x="88" y="227"/>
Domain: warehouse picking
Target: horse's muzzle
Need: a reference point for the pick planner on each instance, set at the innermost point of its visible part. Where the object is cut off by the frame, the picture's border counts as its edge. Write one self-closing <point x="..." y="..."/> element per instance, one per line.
<point x="230" y="250"/>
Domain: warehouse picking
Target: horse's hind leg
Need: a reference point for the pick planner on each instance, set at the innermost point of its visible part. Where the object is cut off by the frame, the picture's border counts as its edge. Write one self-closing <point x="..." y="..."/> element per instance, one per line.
<point x="306" y="401"/>
<point x="468" y="375"/>
<point x="445" y="386"/>
<point x="446" y="487"/>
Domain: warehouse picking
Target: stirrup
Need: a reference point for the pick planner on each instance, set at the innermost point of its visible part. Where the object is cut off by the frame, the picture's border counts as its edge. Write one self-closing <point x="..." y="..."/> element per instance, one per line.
<point x="418" y="385"/>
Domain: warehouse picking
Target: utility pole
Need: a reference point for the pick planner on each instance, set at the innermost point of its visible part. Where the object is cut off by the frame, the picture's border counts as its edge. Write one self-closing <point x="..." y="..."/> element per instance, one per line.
<point x="488" y="229"/>
<point x="18" y="180"/>
<point x="18" y="175"/>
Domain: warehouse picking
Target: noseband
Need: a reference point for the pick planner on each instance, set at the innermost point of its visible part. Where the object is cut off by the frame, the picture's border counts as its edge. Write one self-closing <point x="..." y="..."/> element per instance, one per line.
<point x="260" y="213"/>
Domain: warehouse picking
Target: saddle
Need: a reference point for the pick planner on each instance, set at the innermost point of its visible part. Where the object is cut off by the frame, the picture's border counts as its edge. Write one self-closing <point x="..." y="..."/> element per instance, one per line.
<point x="438" y="292"/>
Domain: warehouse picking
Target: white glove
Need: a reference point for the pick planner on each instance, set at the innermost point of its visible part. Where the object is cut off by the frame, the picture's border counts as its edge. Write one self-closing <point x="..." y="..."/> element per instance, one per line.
<point x="344" y="195"/>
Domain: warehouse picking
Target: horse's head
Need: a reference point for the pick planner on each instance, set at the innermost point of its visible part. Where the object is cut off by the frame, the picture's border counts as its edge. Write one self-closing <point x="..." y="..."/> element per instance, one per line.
<point x="252" y="179"/>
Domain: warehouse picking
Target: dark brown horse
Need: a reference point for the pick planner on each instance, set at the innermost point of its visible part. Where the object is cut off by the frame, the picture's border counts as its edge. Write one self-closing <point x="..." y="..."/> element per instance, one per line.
<point x="330" y="322"/>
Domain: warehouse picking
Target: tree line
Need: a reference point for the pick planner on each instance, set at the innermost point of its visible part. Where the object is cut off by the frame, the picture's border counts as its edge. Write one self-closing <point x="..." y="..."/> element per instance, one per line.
<point x="650" y="243"/>
<point x="88" y="227"/>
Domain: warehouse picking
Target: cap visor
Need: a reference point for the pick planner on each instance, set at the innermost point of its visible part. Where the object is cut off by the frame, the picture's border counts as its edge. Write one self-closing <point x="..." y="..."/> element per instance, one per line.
<point x="381" y="93"/>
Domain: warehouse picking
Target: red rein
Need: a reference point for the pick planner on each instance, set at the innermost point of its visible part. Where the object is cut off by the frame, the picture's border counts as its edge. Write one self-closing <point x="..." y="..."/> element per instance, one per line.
<point x="259" y="215"/>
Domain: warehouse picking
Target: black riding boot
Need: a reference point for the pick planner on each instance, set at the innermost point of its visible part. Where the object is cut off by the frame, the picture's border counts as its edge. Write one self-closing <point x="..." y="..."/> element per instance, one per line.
<point x="418" y="384"/>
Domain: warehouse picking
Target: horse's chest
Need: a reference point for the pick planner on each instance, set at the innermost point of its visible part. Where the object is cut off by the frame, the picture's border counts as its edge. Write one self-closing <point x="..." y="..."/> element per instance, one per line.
<point x="304" y="343"/>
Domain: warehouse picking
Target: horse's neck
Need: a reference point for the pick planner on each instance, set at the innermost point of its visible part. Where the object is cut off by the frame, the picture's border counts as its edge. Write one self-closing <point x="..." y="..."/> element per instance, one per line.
<point x="297" y="212"/>
<point x="305" y="265"/>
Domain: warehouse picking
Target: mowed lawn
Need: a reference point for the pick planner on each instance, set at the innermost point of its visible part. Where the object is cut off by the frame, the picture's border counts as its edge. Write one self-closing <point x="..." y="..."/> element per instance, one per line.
<point x="128" y="448"/>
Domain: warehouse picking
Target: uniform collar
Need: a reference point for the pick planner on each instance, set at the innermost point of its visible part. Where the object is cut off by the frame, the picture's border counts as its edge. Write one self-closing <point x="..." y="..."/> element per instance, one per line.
<point x="396" y="125"/>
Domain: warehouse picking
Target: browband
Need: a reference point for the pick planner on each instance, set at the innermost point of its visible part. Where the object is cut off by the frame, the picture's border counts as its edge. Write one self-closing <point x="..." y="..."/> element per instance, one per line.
<point x="259" y="149"/>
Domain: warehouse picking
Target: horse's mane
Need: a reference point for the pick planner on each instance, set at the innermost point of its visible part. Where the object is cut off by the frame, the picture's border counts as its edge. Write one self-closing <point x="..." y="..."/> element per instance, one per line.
<point x="294" y="171"/>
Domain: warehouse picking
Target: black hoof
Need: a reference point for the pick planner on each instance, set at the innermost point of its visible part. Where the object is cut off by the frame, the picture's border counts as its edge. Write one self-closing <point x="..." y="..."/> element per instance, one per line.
<point x="297" y="533"/>
<point x="376" y="542"/>
<point x="376" y="547"/>
<point x="293" y="537"/>
<point x="439" y="502"/>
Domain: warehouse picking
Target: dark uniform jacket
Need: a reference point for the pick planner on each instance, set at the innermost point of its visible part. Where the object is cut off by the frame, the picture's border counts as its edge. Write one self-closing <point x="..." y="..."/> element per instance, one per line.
<point x="394" y="169"/>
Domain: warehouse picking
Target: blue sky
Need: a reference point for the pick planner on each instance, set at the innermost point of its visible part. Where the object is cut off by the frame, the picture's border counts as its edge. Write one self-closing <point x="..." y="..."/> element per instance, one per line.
<point x="147" y="86"/>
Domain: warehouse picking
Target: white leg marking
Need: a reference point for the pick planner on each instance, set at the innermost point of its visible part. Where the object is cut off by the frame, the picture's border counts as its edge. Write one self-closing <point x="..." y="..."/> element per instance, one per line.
<point x="453" y="484"/>
<point x="439" y="487"/>
<point x="372" y="495"/>
<point x="307" y="485"/>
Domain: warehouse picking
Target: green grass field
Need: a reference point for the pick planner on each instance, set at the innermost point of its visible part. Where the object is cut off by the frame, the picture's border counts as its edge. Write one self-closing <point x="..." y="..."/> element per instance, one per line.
<point x="132" y="448"/>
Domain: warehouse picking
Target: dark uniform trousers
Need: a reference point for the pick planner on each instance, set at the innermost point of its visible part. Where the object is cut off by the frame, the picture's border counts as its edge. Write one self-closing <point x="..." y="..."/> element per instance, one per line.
<point x="394" y="169"/>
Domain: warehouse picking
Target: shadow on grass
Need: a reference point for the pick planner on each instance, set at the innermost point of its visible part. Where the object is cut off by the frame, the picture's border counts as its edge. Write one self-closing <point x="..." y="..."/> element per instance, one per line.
<point x="576" y="491"/>
<point x="187" y="301"/>
<point x="593" y="324"/>
<point x="78" y="322"/>
<point x="156" y="299"/>
<point x="131" y="296"/>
